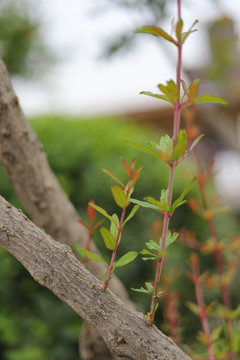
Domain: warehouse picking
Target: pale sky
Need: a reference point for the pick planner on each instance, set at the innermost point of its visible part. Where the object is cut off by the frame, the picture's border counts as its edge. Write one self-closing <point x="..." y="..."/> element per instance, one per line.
<point x="83" y="84"/>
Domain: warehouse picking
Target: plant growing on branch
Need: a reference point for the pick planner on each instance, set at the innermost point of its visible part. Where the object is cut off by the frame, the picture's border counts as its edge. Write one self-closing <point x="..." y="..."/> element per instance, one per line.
<point x="121" y="194"/>
<point x="171" y="150"/>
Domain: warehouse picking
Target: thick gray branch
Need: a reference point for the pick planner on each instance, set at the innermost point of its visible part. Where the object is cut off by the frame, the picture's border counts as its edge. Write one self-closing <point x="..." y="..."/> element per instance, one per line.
<point x="25" y="162"/>
<point x="53" y="265"/>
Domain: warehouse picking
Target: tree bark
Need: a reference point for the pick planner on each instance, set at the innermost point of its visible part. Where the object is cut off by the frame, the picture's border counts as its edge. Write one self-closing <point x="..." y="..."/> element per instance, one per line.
<point x="54" y="266"/>
<point x="27" y="168"/>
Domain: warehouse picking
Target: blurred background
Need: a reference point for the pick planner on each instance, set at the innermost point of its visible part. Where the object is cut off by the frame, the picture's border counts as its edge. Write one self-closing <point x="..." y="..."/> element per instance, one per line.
<point x="77" y="68"/>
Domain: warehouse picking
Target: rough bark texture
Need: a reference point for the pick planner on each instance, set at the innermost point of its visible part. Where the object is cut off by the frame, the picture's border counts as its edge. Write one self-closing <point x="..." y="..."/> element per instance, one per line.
<point x="27" y="168"/>
<point x="53" y="265"/>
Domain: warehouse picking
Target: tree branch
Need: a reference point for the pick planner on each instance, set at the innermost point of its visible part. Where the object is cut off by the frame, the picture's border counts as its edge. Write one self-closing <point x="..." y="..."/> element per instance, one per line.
<point x="22" y="155"/>
<point x="54" y="266"/>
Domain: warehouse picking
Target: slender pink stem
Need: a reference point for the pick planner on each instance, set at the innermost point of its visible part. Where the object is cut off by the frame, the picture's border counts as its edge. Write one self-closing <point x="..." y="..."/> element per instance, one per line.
<point x="176" y="124"/>
<point x="110" y="268"/>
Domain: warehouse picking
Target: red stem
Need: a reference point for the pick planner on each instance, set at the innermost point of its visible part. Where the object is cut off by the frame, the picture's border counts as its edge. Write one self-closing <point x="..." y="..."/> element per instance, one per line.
<point x="110" y="268"/>
<point x="176" y="124"/>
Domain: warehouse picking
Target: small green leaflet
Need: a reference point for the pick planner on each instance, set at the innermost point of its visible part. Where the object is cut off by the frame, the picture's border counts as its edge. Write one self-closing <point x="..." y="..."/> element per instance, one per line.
<point x="170" y="238"/>
<point x="195" y="142"/>
<point x="157" y="96"/>
<point x="78" y="250"/>
<point x="143" y="148"/>
<point x="179" y="29"/>
<point x="185" y="35"/>
<point x="210" y="99"/>
<point x="163" y="200"/>
<point x="148" y="290"/>
<point x="131" y="214"/>
<point x="109" y="240"/>
<point x="93" y="256"/>
<point x="215" y="334"/>
<point x="145" y="204"/>
<point x="156" y="31"/>
<point x="181" y="145"/>
<point x="102" y="211"/>
<point x="109" y="173"/>
<point x="179" y="200"/>
<point x="193" y="307"/>
<point x="150" y="255"/>
<point x="152" y="245"/>
<point x="119" y="196"/>
<point x="126" y="259"/>
<point x="114" y="225"/>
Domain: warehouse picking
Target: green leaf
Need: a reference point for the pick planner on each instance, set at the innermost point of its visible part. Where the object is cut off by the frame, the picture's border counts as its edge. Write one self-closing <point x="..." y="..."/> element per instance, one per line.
<point x="180" y="147"/>
<point x="156" y="31"/>
<point x="93" y="256"/>
<point x="170" y="96"/>
<point x="114" y="225"/>
<point x="109" y="173"/>
<point x="163" y="200"/>
<point x="146" y="252"/>
<point x="170" y="238"/>
<point x="152" y="201"/>
<point x="161" y="254"/>
<point x="126" y="259"/>
<point x="172" y="87"/>
<point x="215" y="334"/>
<point x="149" y="286"/>
<point x="195" y="142"/>
<point x="119" y="196"/>
<point x="193" y="307"/>
<point x="148" y="290"/>
<point x="179" y="200"/>
<point x="210" y="99"/>
<point x="143" y="148"/>
<point x="185" y="87"/>
<point x="78" y="250"/>
<point x="185" y="35"/>
<point x="179" y="29"/>
<point x="157" y="96"/>
<point x="144" y="204"/>
<point x="109" y="239"/>
<point x="152" y="245"/>
<point x="166" y="147"/>
<point x="131" y="214"/>
<point x="141" y="290"/>
<point x="102" y="211"/>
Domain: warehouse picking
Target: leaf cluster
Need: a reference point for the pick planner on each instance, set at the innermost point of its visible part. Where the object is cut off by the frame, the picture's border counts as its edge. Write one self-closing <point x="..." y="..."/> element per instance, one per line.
<point x="121" y="194"/>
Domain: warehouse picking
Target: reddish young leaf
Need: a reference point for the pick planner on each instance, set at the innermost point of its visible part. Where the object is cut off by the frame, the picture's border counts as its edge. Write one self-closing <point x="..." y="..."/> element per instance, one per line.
<point x="91" y="212"/>
<point x="109" y="173"/>
<point x="82" y="223"/>
<point x="132" y="165"/>
<point x="126" y="167"/>
<point x="136" y="176"/>
<point x="193" y="90"/>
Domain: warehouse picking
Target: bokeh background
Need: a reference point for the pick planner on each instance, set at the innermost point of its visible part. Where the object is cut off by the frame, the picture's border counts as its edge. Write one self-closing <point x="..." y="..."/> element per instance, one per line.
<point x="77" y="68"/>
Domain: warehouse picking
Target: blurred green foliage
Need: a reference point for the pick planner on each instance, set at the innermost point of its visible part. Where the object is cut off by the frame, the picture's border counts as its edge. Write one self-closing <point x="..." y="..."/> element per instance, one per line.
<point x="34" y="324"/>
<point x="22" y="45"/>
